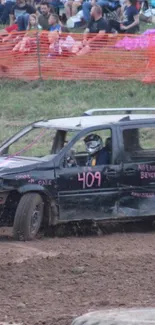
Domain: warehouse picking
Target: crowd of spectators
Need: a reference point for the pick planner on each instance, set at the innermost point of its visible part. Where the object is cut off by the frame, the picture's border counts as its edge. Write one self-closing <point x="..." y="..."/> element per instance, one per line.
<point x="18" y="11"/>
<point x="97" y="17"/>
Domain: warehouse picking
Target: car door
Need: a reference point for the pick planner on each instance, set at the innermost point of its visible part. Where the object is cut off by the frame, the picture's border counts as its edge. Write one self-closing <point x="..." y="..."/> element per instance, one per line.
<point x="89" y="192"/>
<point x="137" y="186"/>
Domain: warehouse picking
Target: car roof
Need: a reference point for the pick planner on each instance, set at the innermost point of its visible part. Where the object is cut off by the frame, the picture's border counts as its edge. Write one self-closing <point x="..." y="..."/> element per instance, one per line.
<point x="82" y="122"/>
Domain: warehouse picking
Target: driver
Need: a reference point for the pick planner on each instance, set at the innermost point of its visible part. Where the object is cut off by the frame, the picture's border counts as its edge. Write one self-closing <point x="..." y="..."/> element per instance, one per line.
<point x="98" y="155"/>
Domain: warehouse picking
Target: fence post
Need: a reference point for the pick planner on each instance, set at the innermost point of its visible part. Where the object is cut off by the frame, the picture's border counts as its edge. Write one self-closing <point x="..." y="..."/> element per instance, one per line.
<point x="38" y="55"/>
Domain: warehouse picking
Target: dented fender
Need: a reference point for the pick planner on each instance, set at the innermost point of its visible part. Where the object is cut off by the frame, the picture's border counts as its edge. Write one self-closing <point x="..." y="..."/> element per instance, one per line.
<point x="33" y="188"/>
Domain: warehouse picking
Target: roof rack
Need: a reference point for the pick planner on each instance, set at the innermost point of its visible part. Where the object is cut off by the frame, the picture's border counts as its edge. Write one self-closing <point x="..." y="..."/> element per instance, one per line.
<point x="127" y="110"/>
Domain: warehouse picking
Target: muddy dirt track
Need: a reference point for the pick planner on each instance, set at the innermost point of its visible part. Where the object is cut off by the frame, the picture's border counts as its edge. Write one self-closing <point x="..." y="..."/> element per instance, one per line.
<point x="51" y="280"/>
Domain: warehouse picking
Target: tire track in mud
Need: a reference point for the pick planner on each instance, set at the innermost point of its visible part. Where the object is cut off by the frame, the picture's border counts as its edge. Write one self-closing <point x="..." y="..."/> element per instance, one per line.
<point x="17" y="252"/>
<point x="51" y="280"/>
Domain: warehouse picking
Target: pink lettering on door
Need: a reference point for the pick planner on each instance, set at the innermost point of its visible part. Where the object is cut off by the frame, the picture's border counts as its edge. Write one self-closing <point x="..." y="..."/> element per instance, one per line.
<point x="89" y="179"/>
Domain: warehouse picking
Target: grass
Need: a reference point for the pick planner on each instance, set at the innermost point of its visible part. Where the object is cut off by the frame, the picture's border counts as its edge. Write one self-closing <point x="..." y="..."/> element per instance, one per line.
<point x="24" y="102"/>
<point x="35" y="100"/>
<point x="21" y="102"/>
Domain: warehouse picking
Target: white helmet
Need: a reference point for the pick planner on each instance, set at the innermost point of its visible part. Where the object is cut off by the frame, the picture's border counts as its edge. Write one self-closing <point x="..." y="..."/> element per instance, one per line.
<point x="93" y="143"/>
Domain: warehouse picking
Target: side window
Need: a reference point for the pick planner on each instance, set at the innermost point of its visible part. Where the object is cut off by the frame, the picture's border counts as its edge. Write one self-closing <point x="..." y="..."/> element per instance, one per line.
<point x="139" y="144"/>
<point x="80" y="146"/>
<point x="93" y="153"/>
<point x="147" y="138"/>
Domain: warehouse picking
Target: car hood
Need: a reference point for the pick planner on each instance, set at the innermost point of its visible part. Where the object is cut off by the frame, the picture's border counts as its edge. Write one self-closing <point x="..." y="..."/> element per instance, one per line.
<point x="15" y="164"/>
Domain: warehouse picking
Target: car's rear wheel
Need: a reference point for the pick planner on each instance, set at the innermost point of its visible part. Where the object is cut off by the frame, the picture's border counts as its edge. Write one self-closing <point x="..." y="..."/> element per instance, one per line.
<point x="28" y="216"/>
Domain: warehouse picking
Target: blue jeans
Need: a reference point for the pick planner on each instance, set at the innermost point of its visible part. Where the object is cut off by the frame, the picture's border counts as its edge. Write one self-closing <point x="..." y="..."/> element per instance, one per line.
<point x="22" y="22"/>
<point x="5" y="11"/>
<point x="87" y="7"/>
<point x="1" y="9"/>
<point x="56" y="4"/>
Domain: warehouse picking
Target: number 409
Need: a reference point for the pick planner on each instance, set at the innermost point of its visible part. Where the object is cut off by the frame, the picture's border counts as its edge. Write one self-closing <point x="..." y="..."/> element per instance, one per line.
<point x="88" y="179"/>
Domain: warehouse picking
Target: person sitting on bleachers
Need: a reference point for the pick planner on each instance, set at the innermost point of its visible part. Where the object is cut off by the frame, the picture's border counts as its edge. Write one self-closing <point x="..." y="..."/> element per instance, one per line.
<point x="87" y="5"/>
<point x="29" y="41"/>
<point x="20" y="14"/>
<point x="94" y="34"/>
<point x="45" y="10"/>
<point x="129" y="21"/>
<point x="71" y="7"/>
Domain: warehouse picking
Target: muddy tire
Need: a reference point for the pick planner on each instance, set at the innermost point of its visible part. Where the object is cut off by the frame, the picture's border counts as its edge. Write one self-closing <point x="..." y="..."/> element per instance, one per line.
<point x="28" y="216"/>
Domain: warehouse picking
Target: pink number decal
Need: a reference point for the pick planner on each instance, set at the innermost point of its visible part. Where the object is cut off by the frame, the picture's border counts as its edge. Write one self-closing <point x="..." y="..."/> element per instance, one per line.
<point x="98" y="177"/>
<point x="82" y="179"/>
<point x="90" y="179"/>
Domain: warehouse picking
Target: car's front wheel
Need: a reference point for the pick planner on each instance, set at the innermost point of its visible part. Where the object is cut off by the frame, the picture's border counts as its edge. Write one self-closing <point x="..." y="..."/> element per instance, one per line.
<point x="28" y="216"/>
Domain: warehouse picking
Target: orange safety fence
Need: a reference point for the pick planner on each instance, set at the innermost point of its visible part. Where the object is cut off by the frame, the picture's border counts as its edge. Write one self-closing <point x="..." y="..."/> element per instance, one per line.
<point x="47" y="55"/>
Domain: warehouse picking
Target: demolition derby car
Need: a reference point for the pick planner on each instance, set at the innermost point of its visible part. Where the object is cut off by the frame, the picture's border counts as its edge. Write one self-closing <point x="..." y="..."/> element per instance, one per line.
<point x="50" y="173"/>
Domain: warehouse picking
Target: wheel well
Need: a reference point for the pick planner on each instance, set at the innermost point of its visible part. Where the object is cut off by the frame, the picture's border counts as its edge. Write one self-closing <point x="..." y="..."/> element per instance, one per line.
<point x="50" y="211"/>
<point x="50" y="208"/>
<point x="50" y="215"/>
<point x="10" y="207"/>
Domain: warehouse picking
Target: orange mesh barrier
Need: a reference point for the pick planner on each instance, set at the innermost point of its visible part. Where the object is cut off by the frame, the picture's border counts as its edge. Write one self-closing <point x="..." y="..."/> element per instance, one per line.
<point x="49" y="56"/>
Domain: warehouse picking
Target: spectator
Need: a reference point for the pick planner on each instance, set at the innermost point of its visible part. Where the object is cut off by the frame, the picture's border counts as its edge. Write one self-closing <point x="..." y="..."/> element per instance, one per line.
<point x="129" y="19"/>
<point x="2" y="2"/>
<point x="29" y="40"/>
<point x="5" y="10"/>
<point x="65" y="44"/>
<point x="53" y="36"/>
<point x="57" y="4"/>
<point x="20" y="14"/>
<point x="9" y="32"/>
<point x="62" y="44"/>
<point x="66" y="41"/>
<point x="54" y="23"/>
<point x="71" y="7"/>
<point x="87" y="5"/>
<point x="97" y="25"/>
<point x="45" y="14"/>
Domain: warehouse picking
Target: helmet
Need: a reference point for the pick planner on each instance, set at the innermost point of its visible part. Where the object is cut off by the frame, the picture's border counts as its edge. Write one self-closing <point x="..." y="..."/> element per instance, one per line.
<point x="93" y="143"/>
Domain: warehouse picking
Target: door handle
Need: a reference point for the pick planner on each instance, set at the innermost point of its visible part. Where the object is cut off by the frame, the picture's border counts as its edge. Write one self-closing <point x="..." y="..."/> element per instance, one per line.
<point x="111" y="172"/>
<point x="129" y="171"/>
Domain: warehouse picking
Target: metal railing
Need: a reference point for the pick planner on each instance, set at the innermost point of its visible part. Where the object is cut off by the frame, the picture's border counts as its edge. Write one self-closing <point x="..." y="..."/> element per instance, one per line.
<point x="125" y="110"/>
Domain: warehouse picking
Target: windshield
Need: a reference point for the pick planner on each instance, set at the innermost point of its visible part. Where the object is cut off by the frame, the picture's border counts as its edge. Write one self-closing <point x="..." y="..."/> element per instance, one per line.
<point x="39" y="142"/>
